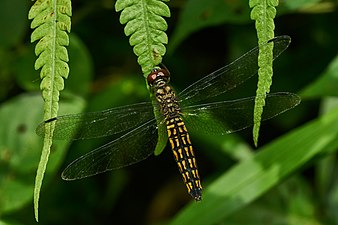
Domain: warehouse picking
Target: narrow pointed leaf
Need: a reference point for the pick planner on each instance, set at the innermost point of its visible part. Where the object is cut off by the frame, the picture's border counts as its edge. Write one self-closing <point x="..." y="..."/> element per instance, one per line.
<point x="51" y="22"/>
<point x="263" y="12"/>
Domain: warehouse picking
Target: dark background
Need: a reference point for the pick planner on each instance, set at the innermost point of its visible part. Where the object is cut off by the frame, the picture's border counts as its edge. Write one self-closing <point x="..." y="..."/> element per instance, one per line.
<point x="104" y="73"/>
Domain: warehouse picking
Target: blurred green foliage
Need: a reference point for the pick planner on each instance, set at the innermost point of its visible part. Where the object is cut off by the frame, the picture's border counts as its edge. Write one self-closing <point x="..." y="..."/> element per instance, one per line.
<point x="292" y="179"/>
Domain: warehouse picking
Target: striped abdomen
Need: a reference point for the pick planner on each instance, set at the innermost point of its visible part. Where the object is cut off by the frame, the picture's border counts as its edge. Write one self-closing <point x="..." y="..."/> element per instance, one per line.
<point x="177" y="132"/>
<point x="184" y="155"/>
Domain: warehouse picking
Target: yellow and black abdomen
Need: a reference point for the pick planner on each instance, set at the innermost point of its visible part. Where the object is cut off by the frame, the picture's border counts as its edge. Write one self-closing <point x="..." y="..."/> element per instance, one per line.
<point x="184" y="155"/>
<point x="178" y="136"/>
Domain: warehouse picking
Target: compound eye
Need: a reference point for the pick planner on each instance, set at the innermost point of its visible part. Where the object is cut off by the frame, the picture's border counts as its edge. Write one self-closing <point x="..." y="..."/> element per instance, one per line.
<point x="162" y="74"/>
<point x="165" y="74"/>
<point x="152" y="77"/>
<point x="158" y="73"/>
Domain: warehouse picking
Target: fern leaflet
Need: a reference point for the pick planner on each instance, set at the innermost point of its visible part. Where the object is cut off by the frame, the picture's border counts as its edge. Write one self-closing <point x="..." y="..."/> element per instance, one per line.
<point x="51" y="22"/>
<point x="145" y="26"/>
<point x="263" y="12"/>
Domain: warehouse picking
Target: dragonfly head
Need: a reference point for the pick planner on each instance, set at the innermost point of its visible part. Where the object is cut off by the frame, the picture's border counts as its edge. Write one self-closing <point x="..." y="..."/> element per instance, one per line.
<point x="158" y="76"/>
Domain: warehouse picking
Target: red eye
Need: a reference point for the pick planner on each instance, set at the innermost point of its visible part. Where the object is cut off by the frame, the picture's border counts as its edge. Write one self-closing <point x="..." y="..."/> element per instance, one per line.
<point x="157" y="73"/>
<point x="152" y="77"/>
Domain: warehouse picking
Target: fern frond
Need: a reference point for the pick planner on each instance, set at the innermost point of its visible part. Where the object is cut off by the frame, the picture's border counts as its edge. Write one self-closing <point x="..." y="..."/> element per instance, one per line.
<point x="51" y="22"/>
<point x="263" y="12"/>
<point x="145" y="26"/>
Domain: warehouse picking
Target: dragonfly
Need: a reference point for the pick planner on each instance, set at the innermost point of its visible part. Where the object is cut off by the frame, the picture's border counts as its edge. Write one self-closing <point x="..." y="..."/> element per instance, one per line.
<point x="145" y="128"/>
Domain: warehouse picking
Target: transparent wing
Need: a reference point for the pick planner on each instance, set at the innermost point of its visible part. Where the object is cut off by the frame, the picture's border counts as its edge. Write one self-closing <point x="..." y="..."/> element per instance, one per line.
<point x="231" y="116"/>
<point x="99" y="124"/>
<point x="130" y="148"/>
<point x="230" y="76"/>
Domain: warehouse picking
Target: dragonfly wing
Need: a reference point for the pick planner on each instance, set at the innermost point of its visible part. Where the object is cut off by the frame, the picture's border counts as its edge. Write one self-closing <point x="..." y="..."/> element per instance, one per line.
<point x="230" y="76"/>
<point x="99" y="124"/>
<point x="130" y="148"/>
<point x="231" y="116"/>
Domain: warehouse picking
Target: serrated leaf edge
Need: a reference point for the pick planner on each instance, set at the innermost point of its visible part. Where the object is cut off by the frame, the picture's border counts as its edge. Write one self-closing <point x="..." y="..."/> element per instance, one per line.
<point x="51" y="23"/>
<point x="263" y="12"/>
<point x="146" y="27"/>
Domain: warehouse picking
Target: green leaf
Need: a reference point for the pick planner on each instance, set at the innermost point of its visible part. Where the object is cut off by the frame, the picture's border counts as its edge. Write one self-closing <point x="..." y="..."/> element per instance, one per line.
<point x="51" y="22"/>
<point x="145" y="26"/>
<point x="263" y="12"/>
<point x="18" y="145"/>
<point x="326" y="84"/>
<point x="162" y="131"/>
<point x="251" y="178"/>
<point x="289" y="203"/>
<point x="80" y="65"/>
<point x="47" y="144"/>
<point x="309" y="6"/>
<point x="20" y="148"/>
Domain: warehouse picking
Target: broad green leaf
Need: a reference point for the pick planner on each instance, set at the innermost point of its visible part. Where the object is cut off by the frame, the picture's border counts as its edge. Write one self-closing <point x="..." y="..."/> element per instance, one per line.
<point x="251" y="178"/>
<point x="325" y="176"/>
<point x="330" y="193"/>
<point x="290" y="203"/>
<point x="326" y="84"/>
<point x="20" y="148"/>
<point x="10" y="222"/>
<point x="308" y="6"/>
<point x="162" y="132"/>
<point x="297" y="4"/>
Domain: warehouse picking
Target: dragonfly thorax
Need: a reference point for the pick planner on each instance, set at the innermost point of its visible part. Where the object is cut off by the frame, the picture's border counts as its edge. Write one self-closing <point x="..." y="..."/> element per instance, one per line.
<point x="166" y="98"/>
